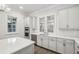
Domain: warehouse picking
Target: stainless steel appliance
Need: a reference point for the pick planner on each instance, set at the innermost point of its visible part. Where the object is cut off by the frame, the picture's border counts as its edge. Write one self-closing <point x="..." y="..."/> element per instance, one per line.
<point x="27" y="32"/>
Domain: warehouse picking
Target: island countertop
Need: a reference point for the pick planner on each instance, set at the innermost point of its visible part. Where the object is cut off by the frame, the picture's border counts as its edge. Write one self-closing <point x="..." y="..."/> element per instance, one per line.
<point x="11" y="45"/>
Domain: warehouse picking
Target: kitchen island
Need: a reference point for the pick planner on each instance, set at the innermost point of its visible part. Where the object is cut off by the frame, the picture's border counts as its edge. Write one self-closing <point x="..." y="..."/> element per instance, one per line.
<point x="16" y="45"/>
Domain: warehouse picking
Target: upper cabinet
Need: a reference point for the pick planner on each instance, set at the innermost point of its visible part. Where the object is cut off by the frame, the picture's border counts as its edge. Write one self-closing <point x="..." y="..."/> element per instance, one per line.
<point x="63" y="18"/>
<point x="42" y="24"/>
<point x="74" y="17"/>
<point x="47" y="23"/>
<point x="33" y="23"/>
<point x="69" y="18"/>
<point x="50" y="23"/>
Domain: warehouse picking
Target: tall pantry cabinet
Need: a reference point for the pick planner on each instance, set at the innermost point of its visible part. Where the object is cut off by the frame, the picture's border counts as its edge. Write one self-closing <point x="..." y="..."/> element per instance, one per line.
<point x="3" y="18"/>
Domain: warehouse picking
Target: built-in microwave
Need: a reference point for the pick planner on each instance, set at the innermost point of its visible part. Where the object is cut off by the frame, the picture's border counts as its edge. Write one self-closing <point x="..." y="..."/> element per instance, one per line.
<point x="26" y="28"/>
<point x="27" y="32"/>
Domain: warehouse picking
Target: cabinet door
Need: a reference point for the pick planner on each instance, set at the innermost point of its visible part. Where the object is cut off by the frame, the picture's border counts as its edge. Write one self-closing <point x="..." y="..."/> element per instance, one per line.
<point x="60" y="45"/>
<point x="42" y="24"/>
<point x="2" y="23"/>
<point x="74" y="17"/>
<point x="69" y="46"/>
<point x="45" y="42"/>
<point x="52" y="43"/>
<point x="39" y="40"/>
<point x="63" y="18"/>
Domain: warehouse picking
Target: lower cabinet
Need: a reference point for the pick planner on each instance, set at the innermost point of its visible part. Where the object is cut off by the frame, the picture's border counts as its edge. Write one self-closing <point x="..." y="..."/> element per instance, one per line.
<point x="45" y="42"/>
<point x="39" y="40"/>
<point x="69" y="47"/>
<point x="52" y="43"/>
<point x="65" y="46"/>
<point x="60" y="45"/>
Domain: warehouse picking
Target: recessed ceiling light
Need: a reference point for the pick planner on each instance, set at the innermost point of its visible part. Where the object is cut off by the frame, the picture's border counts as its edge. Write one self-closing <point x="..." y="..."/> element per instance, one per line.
<point x="21" y="7"/>
<point x="8" y="9"/>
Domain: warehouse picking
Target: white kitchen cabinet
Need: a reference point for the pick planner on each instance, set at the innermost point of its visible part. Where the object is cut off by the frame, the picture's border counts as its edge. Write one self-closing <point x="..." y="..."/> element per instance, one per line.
<point x="50" y="23"/>
<point x="42" y="41"/>
<point x="74" y="17"/>
<point x="42" y="24"/>
<point x="69" y="46"/>
<point x="33" y="23"/>
<point x="2" y="22"/>
<point x="63" y="18"/>
<point x="69" y="18"/>
<point x="39" y="40"/>
<point x="45" y="42"/>
<point x="65" y="46"/>
<point x="52" y="43"/>
<point x="60" y="45"/>
<point x="1" y="16"/>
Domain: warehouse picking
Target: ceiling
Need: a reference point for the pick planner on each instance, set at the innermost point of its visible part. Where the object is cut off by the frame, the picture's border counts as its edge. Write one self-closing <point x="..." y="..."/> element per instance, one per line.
<point x="28" y="8"/>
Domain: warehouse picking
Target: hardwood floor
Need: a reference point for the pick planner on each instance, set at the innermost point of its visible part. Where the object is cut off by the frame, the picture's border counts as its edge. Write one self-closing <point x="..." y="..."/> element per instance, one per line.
<point x="40" y="50"/>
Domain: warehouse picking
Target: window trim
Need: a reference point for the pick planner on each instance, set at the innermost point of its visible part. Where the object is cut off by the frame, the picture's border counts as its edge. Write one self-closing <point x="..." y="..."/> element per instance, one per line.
<point x="12" y="24"/>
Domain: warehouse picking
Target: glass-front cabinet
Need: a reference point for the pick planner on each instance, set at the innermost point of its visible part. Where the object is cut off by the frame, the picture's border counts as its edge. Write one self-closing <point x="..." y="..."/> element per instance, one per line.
<point x="42" y="24"/>
<point x="47" y="23"/>
<point x="50" y="23"/>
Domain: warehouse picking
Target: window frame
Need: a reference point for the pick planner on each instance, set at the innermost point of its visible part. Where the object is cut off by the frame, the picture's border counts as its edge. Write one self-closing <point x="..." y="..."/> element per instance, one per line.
<point x="11" y="21"/>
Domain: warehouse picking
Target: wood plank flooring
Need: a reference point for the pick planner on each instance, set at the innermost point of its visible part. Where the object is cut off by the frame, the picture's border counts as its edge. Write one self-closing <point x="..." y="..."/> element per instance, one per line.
<point x="40" y="50"/>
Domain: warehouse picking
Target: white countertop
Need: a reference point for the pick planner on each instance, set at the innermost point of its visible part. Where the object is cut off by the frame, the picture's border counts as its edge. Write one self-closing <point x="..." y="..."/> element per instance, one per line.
<point x="11" y="45"/>
<point x="60" y="36"/>
<point x="35" y="33"/>
<point x="66" y="37"/>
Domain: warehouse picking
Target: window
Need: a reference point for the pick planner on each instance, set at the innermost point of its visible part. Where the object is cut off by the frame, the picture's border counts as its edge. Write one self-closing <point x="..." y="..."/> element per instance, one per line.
<point x="11" y="24"/>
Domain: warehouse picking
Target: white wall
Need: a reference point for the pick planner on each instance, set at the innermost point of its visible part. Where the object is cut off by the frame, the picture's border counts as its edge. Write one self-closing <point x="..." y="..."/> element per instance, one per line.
<point x="20" y="25"/>
<point x="48" y="11"/>
<point x="26" y="21"/>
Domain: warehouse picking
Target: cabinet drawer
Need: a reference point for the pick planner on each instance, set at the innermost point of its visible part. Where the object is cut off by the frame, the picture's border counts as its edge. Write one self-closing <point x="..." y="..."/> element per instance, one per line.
<point x="69" y="41"/>
<point x="52" y="39"/>
<point x="60" y="40"/>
